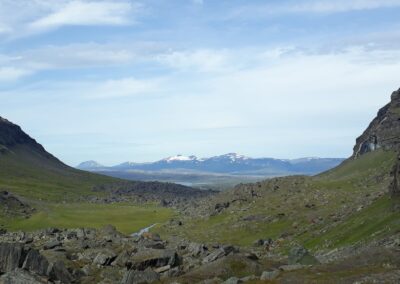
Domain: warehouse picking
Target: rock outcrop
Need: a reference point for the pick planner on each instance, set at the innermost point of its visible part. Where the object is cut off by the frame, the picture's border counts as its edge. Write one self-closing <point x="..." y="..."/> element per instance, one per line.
<point x="10" y="205"/>
<point x="384" y="130"/>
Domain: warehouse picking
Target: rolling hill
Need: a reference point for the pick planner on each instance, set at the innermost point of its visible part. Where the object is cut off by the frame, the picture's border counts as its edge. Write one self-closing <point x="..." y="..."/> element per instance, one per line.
<point x="28" y="170"/>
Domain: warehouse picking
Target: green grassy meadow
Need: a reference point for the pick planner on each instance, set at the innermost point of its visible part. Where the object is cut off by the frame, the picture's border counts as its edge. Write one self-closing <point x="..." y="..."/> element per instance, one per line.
<point x="125" y="217"/>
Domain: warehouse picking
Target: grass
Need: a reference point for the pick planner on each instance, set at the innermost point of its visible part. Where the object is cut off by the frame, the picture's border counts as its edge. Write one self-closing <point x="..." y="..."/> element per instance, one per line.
<point x="374" y="221"/>
<point x="126" y="218"/>
<point x="30" y="175"/>
<point x="340" y="192"/>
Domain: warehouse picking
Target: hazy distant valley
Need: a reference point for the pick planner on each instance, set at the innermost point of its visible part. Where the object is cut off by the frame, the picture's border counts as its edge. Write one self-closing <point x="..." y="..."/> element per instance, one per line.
<point x="219" y="172"/>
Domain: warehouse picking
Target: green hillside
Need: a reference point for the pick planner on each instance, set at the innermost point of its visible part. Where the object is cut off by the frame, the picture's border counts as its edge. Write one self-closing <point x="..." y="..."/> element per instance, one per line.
<point x="346" y="205"/>
<point x="27" y="173"/>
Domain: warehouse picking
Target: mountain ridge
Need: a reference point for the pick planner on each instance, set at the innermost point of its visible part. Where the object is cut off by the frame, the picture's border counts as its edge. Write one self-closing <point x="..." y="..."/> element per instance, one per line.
<point x="230" y="163"/>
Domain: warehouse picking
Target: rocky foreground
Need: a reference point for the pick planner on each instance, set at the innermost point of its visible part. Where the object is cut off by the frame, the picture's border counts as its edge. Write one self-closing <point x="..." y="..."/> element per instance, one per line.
<point x="107" y="256"/>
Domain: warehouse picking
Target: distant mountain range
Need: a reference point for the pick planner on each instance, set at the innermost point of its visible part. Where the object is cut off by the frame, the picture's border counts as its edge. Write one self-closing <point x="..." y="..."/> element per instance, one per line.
<point x="232" y="164"/>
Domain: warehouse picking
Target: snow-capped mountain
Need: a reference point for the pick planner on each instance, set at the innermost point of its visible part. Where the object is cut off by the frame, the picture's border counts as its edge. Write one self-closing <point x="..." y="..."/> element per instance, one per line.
<point x="89" y="165"/>
<point x="180" y="158"/>
<point x="231" y="163"/>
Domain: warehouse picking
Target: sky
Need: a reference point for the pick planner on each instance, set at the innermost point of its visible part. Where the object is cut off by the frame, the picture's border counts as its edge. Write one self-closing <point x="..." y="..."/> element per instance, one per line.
<point x="140" y="80"/>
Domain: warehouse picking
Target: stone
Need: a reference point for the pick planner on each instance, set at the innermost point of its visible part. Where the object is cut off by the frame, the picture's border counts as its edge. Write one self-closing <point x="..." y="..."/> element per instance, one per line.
<point x="233" y="280"/>
<point x="154" y="258"/>
<point x="269" y="275"/>
<point x="58" y="271"/>
<point x="162" y="269"/>
<point x="123" y="259"/>
<point x="11" y="256"/>
<point x="196" y="249"/>
<point x="36" y="263"/>
<point x="300" y="255"/>
<point x="52" y="245"/>
<point x="105" y="257"/>
<point x="140" y="277"/>
<point x="217" y="254"/>
<point x="252" y="256"/>
<point x="20" y="276"/>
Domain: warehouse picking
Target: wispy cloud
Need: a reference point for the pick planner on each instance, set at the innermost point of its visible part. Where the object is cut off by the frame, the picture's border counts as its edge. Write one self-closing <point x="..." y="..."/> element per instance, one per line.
<point x="27" y="17"/>
<point x="87" y="13"/>
<point x="311" y="6"/>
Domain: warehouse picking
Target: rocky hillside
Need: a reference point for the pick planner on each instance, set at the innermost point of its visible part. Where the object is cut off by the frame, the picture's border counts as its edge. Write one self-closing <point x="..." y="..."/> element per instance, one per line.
<point x="384" y="130"/>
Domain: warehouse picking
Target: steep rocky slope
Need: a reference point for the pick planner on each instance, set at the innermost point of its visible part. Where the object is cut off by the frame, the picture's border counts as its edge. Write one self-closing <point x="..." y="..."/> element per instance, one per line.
<point x="384" y="130"/>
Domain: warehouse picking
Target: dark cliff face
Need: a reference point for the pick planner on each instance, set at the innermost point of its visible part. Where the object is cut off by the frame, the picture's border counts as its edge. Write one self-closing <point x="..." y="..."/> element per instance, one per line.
<point x="12" y="137"/>
<point x="384" y="130"/>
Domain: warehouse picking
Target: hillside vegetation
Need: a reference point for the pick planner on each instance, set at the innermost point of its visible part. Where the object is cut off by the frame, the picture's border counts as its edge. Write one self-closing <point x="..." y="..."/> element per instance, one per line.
<point x="344" y="206"/>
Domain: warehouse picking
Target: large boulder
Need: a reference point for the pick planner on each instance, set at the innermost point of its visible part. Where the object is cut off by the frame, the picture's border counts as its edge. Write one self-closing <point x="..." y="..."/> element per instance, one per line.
<point x="154" y="258"/>
<point x="58" y="271"/>
<point x="105" y="257"/>
<point x="12" y="256"/>
<point x="36" y="263"/>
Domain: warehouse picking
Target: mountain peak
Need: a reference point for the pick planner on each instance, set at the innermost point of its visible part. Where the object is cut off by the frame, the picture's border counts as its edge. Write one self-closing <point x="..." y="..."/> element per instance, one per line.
<point x="89" y="165"/>
<point x="384" y="131"/>
<point x="232" y="156"/>
<point x="180" y="157"/>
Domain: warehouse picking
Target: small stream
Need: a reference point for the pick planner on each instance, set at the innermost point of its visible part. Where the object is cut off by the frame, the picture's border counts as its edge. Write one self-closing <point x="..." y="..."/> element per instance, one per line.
<point x="142" y="231"/>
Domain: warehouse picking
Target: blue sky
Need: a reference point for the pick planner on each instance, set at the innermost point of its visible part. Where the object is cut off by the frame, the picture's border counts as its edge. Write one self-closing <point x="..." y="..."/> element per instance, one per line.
<point x="141" y="80"/>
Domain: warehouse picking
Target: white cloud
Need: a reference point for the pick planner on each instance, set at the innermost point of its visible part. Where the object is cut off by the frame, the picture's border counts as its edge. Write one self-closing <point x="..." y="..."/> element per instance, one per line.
<point x="87" y="13"/>
<point x="80" y="55"/>
<point x="13" y="73"/>
<point x="26" y="17"/>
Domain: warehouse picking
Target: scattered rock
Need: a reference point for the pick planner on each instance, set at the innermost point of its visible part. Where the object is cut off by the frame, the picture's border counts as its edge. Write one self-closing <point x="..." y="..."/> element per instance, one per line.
<point x="140" y="277"/>
<point x="269" y="275"/>
<point x="52" y="245"/>
<point x="20" y="276"/>
<point x="233" y="280"/>
<point x="154" y="258"/>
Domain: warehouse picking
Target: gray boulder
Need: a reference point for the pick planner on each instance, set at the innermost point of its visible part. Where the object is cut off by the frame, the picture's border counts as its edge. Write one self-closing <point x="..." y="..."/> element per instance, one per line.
<point x="300" y="255"/>
<point x="11" y="256"/>
<point x="52" y="245"/>
<point x="104" y="257"/>
<point x="154" y="258"/>
<point x="219" y="253"/>
<point x="58" y="271"/>
<point x="36" y="263"/>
